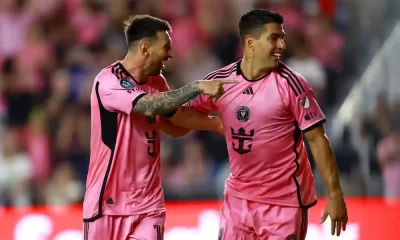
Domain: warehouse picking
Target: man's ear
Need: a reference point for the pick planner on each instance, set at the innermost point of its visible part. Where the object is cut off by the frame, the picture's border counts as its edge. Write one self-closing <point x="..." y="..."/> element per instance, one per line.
<point x="249" y="40"/>
<point x="144" y="48"/>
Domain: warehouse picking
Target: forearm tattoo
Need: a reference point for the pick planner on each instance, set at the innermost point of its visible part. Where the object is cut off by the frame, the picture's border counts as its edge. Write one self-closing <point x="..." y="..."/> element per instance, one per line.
<point x="161" y="103"/>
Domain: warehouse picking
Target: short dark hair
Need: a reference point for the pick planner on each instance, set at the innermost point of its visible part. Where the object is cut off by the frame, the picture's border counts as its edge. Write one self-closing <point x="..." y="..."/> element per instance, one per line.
<point x="138" y="27"/>
<point x="254" y="20"/>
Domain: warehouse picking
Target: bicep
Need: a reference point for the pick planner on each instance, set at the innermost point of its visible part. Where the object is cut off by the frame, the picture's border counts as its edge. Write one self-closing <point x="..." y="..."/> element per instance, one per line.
<point x="315" y="134"/>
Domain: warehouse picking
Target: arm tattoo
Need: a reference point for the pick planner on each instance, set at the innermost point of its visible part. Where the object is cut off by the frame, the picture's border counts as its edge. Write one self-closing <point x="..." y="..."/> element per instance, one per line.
<point x="160" y="103"/>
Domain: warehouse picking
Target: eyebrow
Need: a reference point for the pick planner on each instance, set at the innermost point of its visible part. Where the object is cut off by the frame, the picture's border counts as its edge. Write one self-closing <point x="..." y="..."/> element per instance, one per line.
<point x="277" y="35"/>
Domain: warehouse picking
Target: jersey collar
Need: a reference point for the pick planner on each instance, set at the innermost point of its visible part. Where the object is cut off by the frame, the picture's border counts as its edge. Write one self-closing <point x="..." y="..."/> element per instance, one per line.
<point x="240" y="73"/>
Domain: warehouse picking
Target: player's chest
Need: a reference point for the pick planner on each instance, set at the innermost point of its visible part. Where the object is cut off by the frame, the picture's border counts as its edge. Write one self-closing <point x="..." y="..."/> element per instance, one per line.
<point x="252" y="101"/>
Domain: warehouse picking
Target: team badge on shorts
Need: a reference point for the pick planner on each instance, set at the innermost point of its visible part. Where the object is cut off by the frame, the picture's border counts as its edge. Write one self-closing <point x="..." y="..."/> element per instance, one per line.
<point x="126" y="84"/>
<point x="243" y="113"/>
<point x="220" y="234"/>
<point x="291" y="237"/>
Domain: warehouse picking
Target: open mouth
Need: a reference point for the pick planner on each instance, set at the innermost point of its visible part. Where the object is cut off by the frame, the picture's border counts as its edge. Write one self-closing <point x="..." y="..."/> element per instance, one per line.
<point x="277" y="55"/>
<point x="163" y="63"/>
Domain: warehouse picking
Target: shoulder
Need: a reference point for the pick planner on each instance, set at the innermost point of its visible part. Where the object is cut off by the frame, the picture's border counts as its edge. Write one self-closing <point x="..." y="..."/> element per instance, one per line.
<point x="291" y="80"/>
<point x="109" y="75"/>
<point x="160" y="78"/>
<point x="159" y="81"/>
<point x="223" y="72"/>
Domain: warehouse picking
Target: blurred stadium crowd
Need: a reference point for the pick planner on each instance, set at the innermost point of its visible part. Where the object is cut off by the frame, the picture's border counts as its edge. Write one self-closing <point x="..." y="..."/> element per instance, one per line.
<point x="51" y="50"/>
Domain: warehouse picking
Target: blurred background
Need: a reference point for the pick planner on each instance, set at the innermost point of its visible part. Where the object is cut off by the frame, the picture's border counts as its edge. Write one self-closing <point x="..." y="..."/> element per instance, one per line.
<point x="51" y="50"/>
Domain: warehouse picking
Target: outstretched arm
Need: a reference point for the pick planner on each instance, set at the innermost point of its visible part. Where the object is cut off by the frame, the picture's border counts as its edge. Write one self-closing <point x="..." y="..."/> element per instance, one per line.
<point x="175" y="131"/>
<point x="191" y="119"/>
<point x="161" y="103"/>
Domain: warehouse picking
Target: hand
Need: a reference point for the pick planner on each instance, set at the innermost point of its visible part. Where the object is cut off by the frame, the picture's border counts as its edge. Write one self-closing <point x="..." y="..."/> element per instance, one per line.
<point x="213" y="88"/>
<point x="219" y="127"/>
<point x="336" y="209"/>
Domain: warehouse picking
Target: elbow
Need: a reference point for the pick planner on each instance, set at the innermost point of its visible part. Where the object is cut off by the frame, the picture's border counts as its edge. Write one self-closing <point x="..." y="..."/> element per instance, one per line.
<point x="175" y="119"/>
<point x="149" y="114"/>
<point x="160" y="111"/>
<point x="144" y="111"/>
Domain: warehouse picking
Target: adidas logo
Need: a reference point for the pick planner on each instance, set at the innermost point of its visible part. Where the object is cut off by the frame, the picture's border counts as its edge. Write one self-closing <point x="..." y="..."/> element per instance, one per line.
<point x="249" y="91"/>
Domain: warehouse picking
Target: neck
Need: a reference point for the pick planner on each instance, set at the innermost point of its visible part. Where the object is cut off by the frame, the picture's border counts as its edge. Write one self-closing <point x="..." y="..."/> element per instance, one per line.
<point x="253" y="69"/>
<point x="134" y="65"/>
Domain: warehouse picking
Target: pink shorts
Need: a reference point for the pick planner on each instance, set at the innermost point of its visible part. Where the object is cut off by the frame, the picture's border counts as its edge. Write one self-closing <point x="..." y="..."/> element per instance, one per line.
<point x="148" y="226"/>
<point x="247" y="220"/>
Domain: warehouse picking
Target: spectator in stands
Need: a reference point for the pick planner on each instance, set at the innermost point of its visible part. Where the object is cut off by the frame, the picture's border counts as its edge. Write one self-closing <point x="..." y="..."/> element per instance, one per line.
<point x="64" y="187"/>
<point x="16" y="171"/>
<point x="388" y="155"/>
<point x="348" y="165"/>
<point x="191" y="178"/>
<point x="303" y="62"/>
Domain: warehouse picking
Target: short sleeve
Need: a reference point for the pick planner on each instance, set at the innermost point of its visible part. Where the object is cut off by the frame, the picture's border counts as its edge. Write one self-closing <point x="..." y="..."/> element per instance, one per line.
<point x="119" y="95"/>
<point x="202" y="103"/>
<point x="302" y="102"/>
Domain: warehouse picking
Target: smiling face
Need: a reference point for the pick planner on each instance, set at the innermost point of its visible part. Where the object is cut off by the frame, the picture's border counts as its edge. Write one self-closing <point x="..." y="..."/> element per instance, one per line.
<point x="268" y="45"/>
<point x="148" y="38"/>
<point x="158" y="52"/>
<point x="263" y="37"/>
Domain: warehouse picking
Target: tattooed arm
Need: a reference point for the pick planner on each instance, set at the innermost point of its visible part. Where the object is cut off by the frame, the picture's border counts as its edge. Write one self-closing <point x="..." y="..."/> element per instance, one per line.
<point x="161" y="103"/>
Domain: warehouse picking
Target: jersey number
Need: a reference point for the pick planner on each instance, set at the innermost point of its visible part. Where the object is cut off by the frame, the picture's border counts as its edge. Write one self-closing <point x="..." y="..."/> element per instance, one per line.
<point x="159" y="231"/>
<point x="241" y="136"/>
<point x="151" y="142"/>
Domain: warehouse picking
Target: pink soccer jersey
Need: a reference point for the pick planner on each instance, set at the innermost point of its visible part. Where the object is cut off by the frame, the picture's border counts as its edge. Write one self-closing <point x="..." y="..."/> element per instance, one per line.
<point x="124" y="170"/>
<point x="263" y="122"/>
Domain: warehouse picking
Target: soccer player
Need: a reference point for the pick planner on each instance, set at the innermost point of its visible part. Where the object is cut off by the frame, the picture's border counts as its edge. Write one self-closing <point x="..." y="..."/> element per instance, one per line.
<point x="124" y="198"/>
<point x="265" y="116"/>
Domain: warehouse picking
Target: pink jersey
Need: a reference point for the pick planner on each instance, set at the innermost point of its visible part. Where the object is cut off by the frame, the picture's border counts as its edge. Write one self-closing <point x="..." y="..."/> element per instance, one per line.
<point x="263" y="122"/>
<point x="124" y="170"/>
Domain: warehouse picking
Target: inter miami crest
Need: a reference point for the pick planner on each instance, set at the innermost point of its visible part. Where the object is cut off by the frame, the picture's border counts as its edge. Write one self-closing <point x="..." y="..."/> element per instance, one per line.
<point x="126" y="84"/>
<point x="304" y="102"/>
<point x="243" y="113"/>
